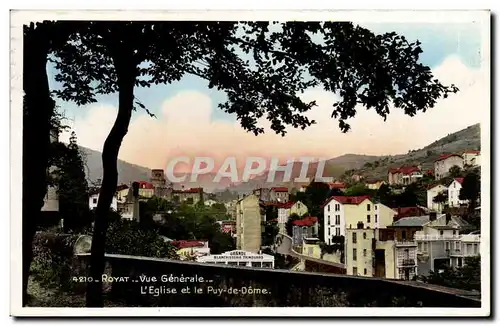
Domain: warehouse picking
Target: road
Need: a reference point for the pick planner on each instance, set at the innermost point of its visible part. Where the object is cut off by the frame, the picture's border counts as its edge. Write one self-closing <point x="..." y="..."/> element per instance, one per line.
<point x="285" y="248"/>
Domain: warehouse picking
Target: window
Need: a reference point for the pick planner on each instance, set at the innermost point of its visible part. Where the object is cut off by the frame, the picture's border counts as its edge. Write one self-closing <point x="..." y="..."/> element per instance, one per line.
<point x="94" y="200"/>
<point x="368" y="207"/>
<point x="375" y="207"/>
<point x="447" y="245"/>
<point x="365" y="271"/>
<point x="364" y="252"/>
<point x="328" y="219"/>
<point x="328" y="230"/>
<point x="354" y="271"/>
<point x="337" y="207"/>
<point x="354" y="255"/>
<point x="364" y="235"/>
<point x="337" y="231"/>
<point x="457" y="245"/>
<point x="354" y="237"/>
<point x="454" y="232"/>
<point x="337" y="219"/>
<point x="476" y="248"/>
<point x="403" y="235"/>
<point x="367" y="218"/>
<point x="419" y="246"/>
<point x="376" y="218"/>
<point x="441" y="232"/>
<point x="328" y="207"/>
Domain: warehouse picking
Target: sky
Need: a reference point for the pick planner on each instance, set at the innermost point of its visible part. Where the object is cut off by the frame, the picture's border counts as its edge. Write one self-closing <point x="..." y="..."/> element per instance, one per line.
<point x="188" y="122"/>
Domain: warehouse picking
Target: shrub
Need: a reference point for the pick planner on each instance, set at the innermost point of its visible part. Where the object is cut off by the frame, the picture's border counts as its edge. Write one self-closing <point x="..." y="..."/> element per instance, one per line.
<point x="52" y="259"/>
<point x="128" y="238"/>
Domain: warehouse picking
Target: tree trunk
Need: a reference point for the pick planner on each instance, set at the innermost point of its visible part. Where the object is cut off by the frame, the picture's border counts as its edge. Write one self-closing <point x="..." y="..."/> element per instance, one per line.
<point x="126" y="71"/>
<point x="38" y="108"/>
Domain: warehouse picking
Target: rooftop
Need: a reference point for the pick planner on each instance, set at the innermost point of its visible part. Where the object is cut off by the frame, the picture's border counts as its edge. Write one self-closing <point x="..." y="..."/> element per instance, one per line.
<point x="446" y="156"/>
<point x="350" y="200"/>
<point x="412" y="221"/>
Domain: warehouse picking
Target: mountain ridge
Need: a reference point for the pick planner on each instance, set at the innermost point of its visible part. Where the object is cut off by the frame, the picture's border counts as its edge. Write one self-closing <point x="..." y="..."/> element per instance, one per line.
<point x="369" y="166"/>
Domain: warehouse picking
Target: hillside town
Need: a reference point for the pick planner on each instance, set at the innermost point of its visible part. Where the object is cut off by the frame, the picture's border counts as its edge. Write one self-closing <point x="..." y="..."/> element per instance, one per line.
<point x="355" y="227"/>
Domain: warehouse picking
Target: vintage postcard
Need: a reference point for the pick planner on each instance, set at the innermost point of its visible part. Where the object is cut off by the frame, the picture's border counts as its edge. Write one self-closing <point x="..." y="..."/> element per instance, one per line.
<point x="184" y="163"/>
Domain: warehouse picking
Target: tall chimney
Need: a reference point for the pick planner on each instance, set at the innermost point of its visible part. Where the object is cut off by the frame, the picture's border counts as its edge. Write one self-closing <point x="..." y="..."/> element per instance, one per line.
<point x="432" y="216"/>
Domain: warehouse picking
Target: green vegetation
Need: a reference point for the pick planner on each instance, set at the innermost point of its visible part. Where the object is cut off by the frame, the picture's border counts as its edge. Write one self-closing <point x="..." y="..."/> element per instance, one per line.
<point x="467" y="277"/>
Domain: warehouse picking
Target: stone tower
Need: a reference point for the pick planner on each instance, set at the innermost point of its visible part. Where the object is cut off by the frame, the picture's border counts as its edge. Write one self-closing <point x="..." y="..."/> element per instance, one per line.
<point x="159" y="182"/>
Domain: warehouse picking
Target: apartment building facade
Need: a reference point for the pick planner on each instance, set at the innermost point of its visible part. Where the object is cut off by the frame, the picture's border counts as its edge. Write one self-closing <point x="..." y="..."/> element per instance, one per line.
<point x="345" y="212"/>
<point x="442" y="242"/>
<point x="248" y="224"/>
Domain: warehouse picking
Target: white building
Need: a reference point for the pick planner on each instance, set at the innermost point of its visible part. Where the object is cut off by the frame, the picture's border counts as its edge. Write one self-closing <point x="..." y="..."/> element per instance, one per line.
<point x="433" y="192"/>
<point x="345" y="212"/>
<point x="441" y="244"/>
<point x="94" y="198"/>
<point x="472" y="158"/>
<point x="443" y="164"/>
<point x="209" y="202"/>
<point x="287" y="209"/>
<point x="240" y="258"/>
<point x="454" y="193"/>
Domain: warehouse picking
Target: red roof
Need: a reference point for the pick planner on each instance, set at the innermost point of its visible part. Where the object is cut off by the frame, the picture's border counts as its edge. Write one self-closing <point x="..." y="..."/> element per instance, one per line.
<point x="145" y="185"/>
<point x="350" y="200"/>
<point x="446" y="156"/>
<point x="181" y="244"/>
<point x="405" y="169"/>
<point x="337" y="185"/>
<point x="280" y="189"/>
<point x="459" y="180"/>
<point x="306" y="221"/>
<point x="472" y="152"/>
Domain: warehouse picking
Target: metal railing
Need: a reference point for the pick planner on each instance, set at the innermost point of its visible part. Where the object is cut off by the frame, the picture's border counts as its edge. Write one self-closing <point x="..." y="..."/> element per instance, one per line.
<point x="406" y="243"/>
<point x="427" y="237"/>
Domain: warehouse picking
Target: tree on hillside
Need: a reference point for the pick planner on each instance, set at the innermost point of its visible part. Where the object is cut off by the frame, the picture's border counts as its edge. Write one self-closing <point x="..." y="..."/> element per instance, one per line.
<point x="358" y="189"/>
<point x="365" y="69"/>
<point x="455" y="171"/>
<point x="73" y="190"/>
<point x="384" y="195"/>
<point x="441" y="198"/>
<point x="471" y="189"/>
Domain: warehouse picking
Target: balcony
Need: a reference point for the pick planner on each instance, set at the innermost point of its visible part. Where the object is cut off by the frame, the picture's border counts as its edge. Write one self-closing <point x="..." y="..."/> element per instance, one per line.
<point x="427" y="237"/>
<point x="406" y="243"/>
<point x="407" y="262"/>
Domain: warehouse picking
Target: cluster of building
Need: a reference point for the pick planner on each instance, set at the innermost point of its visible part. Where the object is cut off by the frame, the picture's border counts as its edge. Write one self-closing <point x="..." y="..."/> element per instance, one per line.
<point x="127" y="197"/>
<point x="408" y="174"/>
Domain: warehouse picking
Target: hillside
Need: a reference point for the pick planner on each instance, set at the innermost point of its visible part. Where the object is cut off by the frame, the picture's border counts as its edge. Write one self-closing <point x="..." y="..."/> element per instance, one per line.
<point x="465" y="139"/>
<point x="127" y="172"/>
<point x="371" y="167"/>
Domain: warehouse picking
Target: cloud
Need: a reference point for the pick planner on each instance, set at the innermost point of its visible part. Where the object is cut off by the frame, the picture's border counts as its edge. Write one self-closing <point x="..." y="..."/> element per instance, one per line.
<point x="184" y="127"/>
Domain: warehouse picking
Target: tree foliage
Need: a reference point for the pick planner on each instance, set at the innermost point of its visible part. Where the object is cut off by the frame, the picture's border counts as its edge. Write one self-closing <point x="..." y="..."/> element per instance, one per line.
<point x="72" y="187"/>
<point x="455" y="171"/>
<point x="128" y="238"/>
<point x="467" y="277"/>
<point x="471" y="188"/>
